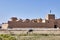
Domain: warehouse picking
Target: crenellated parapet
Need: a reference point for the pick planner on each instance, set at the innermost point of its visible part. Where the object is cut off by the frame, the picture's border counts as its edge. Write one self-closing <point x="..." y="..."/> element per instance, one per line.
<point x="15" y="19"/>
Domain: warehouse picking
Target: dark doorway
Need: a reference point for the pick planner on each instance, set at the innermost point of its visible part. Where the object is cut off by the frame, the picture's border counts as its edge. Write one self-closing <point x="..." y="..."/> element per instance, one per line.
<point x="0" y="27"/>
<point x="55" y="26"/>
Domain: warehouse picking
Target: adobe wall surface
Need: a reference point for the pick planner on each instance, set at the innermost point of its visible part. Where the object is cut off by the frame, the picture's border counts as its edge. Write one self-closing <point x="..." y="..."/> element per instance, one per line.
<point x="17" y="24"/>
<point x="58" y="23"/>
<point x="26" y="25"/>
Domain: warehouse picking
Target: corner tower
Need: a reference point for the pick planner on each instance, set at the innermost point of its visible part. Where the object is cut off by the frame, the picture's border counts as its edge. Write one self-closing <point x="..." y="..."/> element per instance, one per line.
<point x="50" y="16"/>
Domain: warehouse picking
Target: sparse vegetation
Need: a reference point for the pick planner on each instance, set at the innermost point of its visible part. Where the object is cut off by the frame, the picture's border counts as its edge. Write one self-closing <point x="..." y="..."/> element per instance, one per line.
<point x="39" y="34"/>
<point x="7" y="37"/>
<point x="30" y="37"/>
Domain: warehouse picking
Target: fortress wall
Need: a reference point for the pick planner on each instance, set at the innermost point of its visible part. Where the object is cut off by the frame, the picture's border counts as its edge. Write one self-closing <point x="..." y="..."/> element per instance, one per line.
<point x="50" y="25"/>
<point x="50" y="22"/>
<point x="30" y="25"/>
<point x="58" y="23"/>
<point x="47" y="24"/>
<point x="26" y="25"/>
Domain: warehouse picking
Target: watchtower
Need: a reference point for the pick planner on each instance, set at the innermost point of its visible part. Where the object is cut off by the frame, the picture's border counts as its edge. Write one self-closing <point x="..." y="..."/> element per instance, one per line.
<point x="50" y="16"/>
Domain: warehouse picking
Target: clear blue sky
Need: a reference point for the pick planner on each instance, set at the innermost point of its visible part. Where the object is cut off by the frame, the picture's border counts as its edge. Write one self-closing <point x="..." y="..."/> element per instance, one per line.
<point x="28" y="9"/>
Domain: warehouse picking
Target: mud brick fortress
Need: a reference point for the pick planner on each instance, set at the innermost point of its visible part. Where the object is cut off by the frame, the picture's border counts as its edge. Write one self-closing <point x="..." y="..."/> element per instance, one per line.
<point x="49" y="22"/>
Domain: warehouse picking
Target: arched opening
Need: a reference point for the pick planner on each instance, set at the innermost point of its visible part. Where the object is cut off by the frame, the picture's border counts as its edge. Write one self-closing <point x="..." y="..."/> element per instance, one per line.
<point x="0" y="27"/>
<point x="55" y="26"/>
